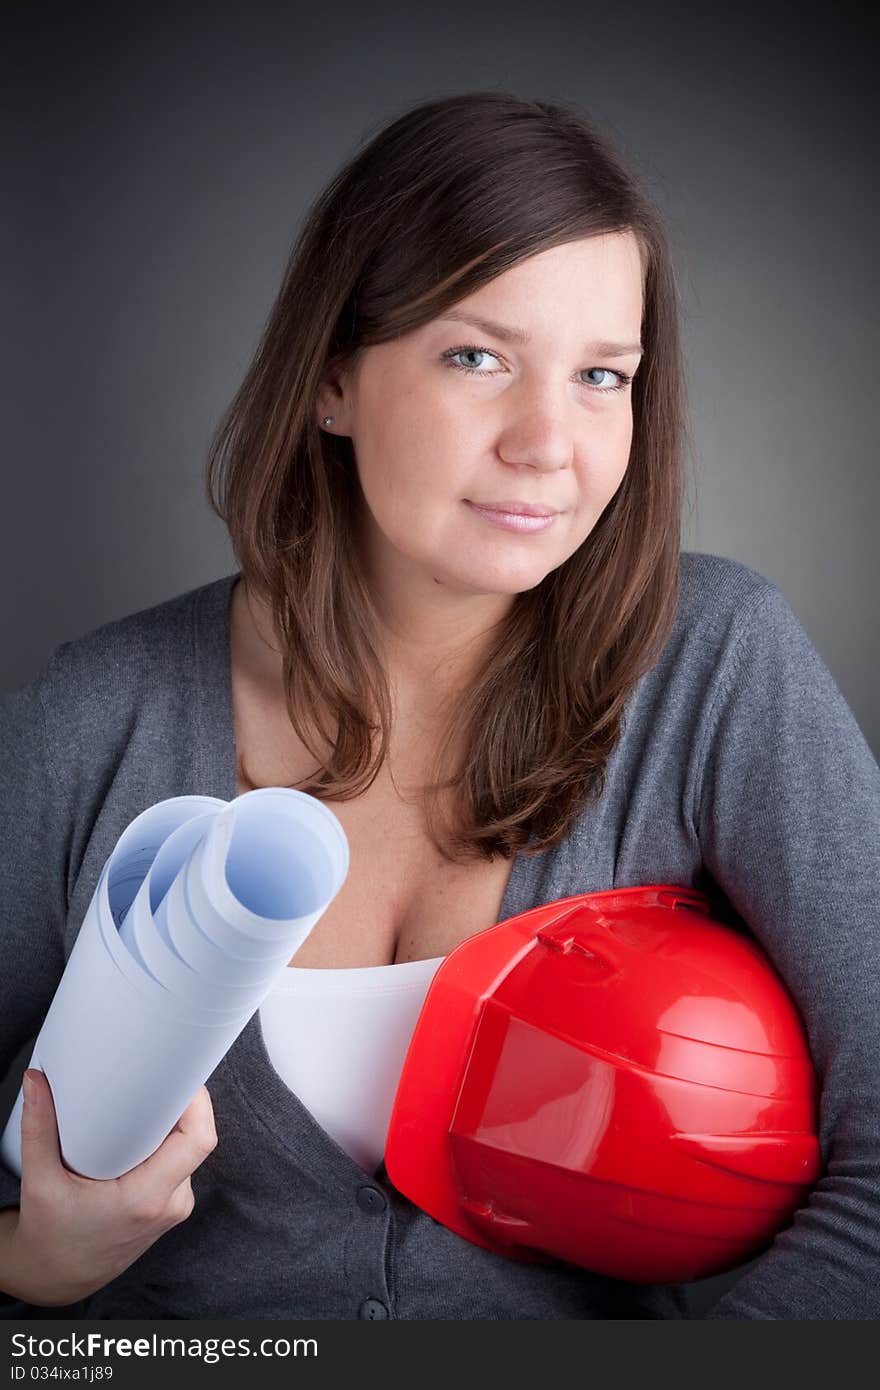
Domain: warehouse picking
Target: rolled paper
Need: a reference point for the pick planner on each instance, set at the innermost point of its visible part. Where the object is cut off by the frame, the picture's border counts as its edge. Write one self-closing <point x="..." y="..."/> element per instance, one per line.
<point x="196" y="913"/>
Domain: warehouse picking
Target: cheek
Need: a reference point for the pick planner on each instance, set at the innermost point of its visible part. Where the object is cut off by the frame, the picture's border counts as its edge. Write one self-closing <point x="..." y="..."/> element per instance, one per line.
<point x="413" y="453"/>
<point x="609" y="441"/>
<point x="604" y="463"/>
<point x="620" y="435"/>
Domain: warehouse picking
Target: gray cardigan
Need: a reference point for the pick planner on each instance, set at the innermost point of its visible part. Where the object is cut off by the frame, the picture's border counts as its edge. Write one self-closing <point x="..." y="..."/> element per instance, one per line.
<point x="740" y="770"/>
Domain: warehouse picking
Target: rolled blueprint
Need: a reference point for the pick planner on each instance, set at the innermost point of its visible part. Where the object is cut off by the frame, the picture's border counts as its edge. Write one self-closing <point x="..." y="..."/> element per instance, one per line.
<point x="196" y="913"/>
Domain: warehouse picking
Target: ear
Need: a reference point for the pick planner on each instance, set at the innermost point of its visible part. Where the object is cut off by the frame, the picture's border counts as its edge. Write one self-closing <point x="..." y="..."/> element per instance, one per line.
<point x="335" y="397"/>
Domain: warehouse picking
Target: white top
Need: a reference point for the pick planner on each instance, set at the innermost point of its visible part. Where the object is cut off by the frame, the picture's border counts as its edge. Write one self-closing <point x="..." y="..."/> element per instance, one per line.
<point x="338" y="1039"/>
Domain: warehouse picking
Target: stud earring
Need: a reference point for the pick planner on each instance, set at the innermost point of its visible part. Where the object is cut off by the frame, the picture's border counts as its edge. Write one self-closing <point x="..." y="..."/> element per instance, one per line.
<point x="328" y="419"/>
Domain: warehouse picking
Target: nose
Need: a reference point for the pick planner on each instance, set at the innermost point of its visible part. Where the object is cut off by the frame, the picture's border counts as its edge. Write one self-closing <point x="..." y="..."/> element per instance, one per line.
<point x="535" y="433"/>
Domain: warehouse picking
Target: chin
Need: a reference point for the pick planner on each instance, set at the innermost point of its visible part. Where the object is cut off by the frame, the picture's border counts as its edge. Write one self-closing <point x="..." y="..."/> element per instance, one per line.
<point x="471" y="582"/>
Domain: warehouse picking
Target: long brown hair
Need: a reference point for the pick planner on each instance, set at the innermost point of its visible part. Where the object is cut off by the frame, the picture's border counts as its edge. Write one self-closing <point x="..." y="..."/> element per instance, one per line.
<point x="445" y="197"/>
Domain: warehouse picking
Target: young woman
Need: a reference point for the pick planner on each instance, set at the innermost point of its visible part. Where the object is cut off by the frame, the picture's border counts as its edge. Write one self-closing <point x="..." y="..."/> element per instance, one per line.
<point x="452" y="479"/>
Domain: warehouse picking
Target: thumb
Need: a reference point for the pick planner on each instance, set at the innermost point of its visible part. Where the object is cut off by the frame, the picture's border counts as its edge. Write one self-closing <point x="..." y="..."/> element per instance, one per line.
<point x="40" y="1147"/>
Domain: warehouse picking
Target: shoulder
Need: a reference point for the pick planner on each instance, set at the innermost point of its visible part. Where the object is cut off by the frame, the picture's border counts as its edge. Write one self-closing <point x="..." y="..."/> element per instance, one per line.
<point x="137" y="670"/>
<point x="721" y="601"/>
<point x="731" y="622"/>
<point x="738" y="640"/>
<point x="140" y="648"/>
<point x="715" y="584"/>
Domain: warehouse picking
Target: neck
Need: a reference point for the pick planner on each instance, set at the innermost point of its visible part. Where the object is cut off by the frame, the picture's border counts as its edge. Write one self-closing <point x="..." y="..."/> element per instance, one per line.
<point x="431" y="643"/>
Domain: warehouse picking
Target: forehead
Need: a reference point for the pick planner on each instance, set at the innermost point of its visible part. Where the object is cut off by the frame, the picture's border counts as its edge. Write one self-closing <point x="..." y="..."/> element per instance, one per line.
<point x="596" y="279"/>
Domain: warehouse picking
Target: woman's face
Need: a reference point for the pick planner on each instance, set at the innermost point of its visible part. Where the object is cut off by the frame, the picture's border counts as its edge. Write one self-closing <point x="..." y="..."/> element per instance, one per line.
<point x="536" y="422"/>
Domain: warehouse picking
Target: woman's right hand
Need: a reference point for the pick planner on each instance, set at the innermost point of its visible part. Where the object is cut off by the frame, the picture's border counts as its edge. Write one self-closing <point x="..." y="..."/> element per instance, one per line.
<point x="73" y="1234"/>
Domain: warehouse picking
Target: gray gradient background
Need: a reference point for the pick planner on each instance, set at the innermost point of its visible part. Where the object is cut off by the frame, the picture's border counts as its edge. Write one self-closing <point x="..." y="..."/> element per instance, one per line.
<point x="157" y="165"/>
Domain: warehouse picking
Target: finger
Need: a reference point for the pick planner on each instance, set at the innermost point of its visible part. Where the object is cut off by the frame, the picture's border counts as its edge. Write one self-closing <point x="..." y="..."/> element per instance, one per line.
<point x="197" y="1119"/>
<point x="40" y="1146"/>
<point x="182" y="1201"/>
<point x="189" y="1143"/>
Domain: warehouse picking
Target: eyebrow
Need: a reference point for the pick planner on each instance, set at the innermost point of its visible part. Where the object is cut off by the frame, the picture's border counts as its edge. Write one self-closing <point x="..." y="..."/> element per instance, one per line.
<point x="602" y="348"/>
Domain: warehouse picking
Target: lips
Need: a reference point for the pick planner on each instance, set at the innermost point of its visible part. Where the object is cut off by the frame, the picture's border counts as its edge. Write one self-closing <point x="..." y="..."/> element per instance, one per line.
<point x="516" y="508"/>
<point x="522" y="522"/>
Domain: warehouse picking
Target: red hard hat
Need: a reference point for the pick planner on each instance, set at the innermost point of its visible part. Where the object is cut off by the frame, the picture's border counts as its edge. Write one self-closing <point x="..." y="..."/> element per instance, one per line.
<point x="615" y="1079"/>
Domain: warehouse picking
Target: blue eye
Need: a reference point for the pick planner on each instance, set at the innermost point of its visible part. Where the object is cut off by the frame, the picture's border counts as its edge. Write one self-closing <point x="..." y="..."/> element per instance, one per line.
<point x="474" y="352"/>
<point x="608" y="372"/>
<point x="470" y="349"/>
